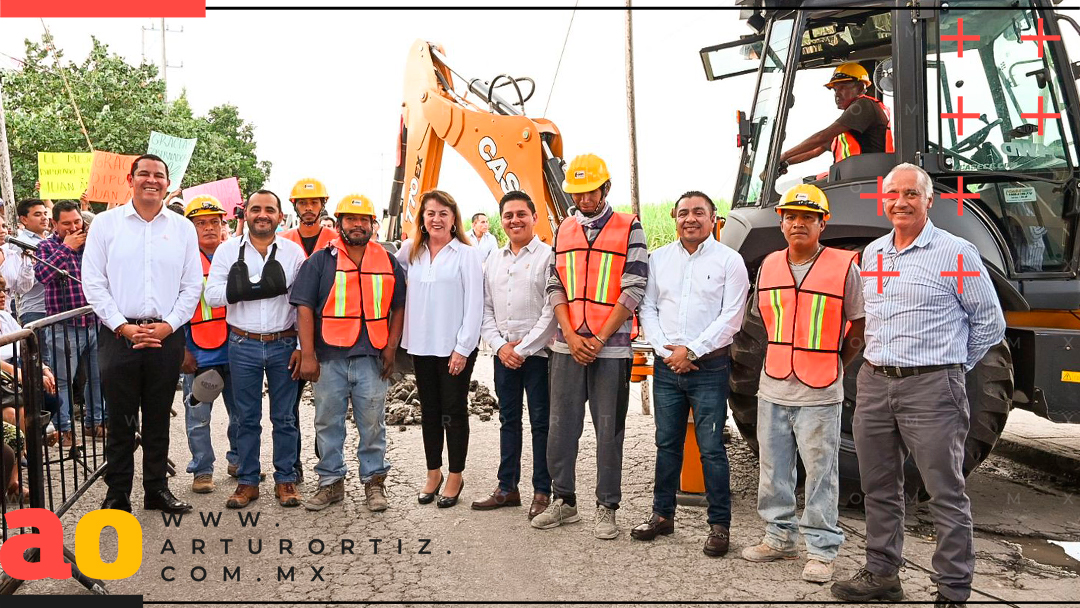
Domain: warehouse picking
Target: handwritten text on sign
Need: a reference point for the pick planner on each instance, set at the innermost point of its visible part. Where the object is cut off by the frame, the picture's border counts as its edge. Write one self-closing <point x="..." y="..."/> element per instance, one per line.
<point x="63" y="174"/>
<point x="108" y="177"/>
<point x="175" y="151"/>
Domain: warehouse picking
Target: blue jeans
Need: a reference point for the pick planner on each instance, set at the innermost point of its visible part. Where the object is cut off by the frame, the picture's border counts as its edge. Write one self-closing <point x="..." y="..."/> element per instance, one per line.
<point x="704" y="391"/>
<point x="814" y="432"/>
<point x="248" y="361"/>
<point x="69" y="345"/>
<point x="197" y="419"/>
<point x="355" y="378"/>
<point x="511" y="385"/>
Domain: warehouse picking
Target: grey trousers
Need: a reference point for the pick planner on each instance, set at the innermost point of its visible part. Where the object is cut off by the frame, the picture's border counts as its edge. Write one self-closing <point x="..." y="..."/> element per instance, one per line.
<point x="927" y="416"/>
<point x="605" y="384"/>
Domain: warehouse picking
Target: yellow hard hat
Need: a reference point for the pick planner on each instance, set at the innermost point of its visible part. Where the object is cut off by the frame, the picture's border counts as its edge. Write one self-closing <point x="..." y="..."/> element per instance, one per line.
<point x="805" y="197"/>
<point x="357" y="204"/>
<point x="585" y="174"/>
<point x="203" y="204"/>
<point x="848" y="72"/>
<point x="309" y="187"/>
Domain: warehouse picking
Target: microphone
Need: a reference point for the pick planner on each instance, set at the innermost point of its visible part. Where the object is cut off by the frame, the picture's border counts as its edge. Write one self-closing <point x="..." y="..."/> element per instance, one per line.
<point x="21" y="244"/>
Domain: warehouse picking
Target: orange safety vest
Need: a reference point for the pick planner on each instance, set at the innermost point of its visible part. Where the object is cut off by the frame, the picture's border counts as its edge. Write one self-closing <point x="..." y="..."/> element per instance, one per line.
<point x="364" y="300"/>
<point x="325" y="236"/>
<point x="208" y="328"/>
<point x="591" y="274"/>
<point x="805" y="323"/>
<point x="845" y="144"/>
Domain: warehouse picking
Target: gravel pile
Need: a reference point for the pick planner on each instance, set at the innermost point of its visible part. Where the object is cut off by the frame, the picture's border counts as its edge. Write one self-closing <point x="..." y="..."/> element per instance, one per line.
<point x="403" y="402"/>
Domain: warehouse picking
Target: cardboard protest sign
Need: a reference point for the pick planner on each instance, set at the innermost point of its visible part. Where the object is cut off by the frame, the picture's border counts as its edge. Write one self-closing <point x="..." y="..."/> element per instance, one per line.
<point x="175" y="151"/>
<point x="227" y="191"/>
<point x="108" y="177"/>
<point x="63" y="174"/>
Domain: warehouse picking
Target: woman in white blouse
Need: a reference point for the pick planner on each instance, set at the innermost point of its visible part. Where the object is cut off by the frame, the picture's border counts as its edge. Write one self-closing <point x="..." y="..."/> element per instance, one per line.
<point x="443" y="311"/>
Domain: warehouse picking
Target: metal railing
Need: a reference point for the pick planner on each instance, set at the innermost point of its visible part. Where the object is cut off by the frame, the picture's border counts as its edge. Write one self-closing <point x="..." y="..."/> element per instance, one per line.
<point x="59" y="430"/>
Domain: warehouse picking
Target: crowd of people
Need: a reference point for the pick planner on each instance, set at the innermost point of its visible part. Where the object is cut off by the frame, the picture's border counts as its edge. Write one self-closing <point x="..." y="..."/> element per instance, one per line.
<point x="327" y="304"/>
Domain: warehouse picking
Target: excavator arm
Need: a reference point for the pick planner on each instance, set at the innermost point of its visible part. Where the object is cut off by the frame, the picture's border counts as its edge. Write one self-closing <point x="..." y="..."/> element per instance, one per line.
<point x="508" y="150"/>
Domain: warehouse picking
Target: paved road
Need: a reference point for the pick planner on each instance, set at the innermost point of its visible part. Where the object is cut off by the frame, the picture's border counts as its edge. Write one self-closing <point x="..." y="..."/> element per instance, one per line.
<point x="477" y="556"/>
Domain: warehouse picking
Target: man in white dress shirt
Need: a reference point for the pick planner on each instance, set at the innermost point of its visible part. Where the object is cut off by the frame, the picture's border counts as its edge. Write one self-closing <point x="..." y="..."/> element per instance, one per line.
<point x="481" y="237"/>
<point x="252" y="276"/>
<point x="692" y="308"/>
<point x="141" y="275"/>
<point x="518" y="324"/>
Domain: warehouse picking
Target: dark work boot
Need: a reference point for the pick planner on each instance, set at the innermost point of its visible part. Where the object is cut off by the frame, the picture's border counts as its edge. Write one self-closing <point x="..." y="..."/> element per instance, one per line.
<point x="866" y="586"/>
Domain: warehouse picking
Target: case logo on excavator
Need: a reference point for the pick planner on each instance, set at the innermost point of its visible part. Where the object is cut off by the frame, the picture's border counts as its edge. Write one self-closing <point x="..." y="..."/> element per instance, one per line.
<point x="498" y="165"/>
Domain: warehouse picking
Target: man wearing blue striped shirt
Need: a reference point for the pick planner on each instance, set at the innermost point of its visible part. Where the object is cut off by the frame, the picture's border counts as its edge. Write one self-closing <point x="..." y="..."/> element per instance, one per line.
<point x="931" y="315"/>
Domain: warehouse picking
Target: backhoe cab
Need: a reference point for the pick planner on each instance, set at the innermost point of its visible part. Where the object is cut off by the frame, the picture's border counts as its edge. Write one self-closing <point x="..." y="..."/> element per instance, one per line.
<point x="986" y="102"/>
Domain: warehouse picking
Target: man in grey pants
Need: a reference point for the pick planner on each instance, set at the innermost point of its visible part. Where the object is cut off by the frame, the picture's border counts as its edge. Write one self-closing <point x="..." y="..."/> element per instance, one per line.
<point x="926" y="325"/>
<point x="596" y="281"/>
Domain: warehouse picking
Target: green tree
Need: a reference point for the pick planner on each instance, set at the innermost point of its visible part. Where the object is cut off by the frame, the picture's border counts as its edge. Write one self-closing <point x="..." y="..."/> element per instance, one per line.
<point x="120" y="104"/>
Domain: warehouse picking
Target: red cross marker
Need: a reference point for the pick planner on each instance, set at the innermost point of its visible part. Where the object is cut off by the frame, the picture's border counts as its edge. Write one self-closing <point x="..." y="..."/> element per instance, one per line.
<point x="960" y="37"/>
<point x="880" y="274"/>
<point x="960" y="114"/>
<point x="1040" y="115"/>
<point x="961" y="195"/>
<point x="959" y="272"/>
<point x="1040" y="39"/>
<point x="879" y="195"/>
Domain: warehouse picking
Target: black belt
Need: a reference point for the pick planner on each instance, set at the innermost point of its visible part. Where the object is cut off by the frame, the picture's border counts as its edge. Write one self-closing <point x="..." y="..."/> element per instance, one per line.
<point x="145" y="321"/>
<point x="723" y="351"/>
<point x="893" y="371"/>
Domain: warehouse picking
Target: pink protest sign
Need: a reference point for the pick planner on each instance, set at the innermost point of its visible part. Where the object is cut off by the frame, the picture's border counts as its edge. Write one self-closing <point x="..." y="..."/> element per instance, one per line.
<point x="227" y="191"/>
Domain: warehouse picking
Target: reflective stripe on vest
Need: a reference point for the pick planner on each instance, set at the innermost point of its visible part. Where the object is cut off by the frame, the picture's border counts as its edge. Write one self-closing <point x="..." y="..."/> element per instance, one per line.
<point x="845" y="144"/>
<point x="805" y="323"/>
<point x="364" y="300"/>
<point x="592" y="273"/>
<point x="208" y="328"/>
<point x="326" y="235"/>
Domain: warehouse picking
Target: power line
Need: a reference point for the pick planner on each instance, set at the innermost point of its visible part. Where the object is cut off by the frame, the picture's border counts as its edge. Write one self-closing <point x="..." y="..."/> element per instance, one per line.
<point x="559" y="64"/>
<point x="67" y="86"/>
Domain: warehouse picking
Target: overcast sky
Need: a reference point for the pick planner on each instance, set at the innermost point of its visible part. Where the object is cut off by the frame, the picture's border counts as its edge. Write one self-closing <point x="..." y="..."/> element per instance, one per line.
<point x="324" y="88"/>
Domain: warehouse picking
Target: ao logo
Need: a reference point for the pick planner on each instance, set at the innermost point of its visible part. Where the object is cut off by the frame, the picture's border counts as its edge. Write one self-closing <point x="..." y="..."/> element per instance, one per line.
<point x="50" y="540"/>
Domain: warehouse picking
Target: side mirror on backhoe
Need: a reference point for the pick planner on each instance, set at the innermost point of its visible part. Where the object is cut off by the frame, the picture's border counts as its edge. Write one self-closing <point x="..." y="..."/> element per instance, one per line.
<point x="743" y="126"/>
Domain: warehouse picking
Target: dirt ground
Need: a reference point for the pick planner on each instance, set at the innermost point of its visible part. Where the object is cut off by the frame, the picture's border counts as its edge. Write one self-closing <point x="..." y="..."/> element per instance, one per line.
<point x="428" y="554"/>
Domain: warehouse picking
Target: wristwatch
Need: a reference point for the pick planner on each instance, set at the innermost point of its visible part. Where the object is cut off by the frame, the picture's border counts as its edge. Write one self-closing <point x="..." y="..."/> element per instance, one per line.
<point x="691" y="355"/>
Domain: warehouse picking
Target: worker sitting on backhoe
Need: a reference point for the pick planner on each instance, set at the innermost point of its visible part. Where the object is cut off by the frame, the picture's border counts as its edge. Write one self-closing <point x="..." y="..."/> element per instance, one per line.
<point x="863" y="128"/>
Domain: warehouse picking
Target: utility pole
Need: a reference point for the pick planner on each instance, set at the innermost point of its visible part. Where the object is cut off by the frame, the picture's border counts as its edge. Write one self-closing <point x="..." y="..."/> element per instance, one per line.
<point x="635" y="204"/>
<point x="6" y="184"/>
<point x="164" y="57"/>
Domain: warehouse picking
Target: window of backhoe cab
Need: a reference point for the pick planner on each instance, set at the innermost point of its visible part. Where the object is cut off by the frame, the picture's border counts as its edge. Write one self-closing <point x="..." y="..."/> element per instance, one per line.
<point x="1001" y="79"/>
<point x="774" y="55"/>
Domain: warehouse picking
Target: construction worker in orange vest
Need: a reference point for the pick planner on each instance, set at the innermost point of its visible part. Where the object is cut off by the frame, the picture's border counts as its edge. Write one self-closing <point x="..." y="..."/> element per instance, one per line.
<point x="594" y="285"/>
<point x="207" y="347"/>
<point x="309" y="198"/>
<point x="863" y="127"/>
<point x="806" y="296"/>
<point x="350" y="301"/>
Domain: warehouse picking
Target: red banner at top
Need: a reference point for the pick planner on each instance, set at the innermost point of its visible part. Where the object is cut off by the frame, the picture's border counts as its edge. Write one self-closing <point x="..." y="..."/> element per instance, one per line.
<point x="102" y="8"/>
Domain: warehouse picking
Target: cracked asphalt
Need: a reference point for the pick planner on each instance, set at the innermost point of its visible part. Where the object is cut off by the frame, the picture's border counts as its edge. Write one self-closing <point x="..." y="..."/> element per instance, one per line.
<point x="431" y="554"/>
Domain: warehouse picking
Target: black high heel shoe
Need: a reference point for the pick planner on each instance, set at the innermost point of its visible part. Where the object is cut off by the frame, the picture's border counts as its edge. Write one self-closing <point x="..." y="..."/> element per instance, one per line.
<point x="426" y="498"/>
<point x="449" y="501"/>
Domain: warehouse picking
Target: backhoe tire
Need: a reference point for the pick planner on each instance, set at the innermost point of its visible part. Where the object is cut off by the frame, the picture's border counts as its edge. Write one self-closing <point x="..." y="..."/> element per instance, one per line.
<point x="989" y="391"/>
